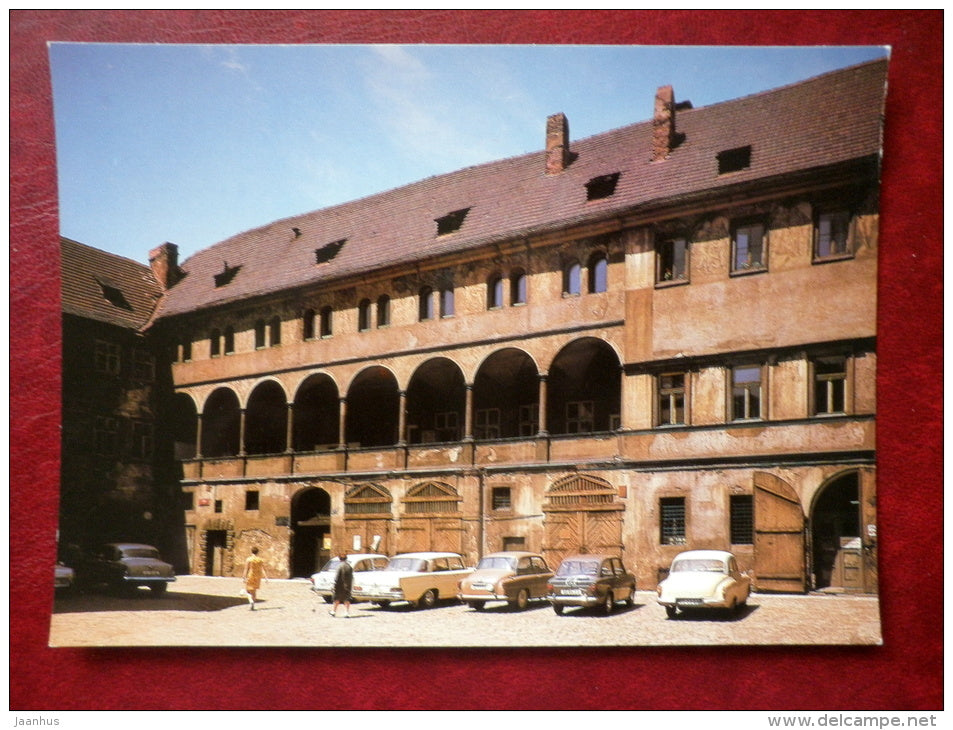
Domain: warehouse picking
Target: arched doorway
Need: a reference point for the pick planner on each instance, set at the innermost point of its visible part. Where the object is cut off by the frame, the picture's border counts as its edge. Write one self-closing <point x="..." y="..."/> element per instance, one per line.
<point x="431" y="519"/>
<point x="837" y="551"/>
<point x="436" y="402"/>
<point x="585" y="388"/>
<point x="221" y="424"/>
<point x="373" y="405"/>
<point x="506" y="396"/>
<point x="266" y="420"/>
<point x="310" y="531"/>
<point x="316" y="415"/>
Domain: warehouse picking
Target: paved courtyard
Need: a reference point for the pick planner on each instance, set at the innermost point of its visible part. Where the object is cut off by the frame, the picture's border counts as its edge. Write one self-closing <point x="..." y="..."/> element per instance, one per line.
<point x="205" y="611"/>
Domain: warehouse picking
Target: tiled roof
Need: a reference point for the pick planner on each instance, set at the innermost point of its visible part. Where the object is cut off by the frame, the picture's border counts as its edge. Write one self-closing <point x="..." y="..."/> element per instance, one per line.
<point x="826" y="120"/>
<point x="105" y="287"/>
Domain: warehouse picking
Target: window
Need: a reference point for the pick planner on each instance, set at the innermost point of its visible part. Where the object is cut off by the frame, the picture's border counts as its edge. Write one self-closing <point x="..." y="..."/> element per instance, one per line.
<point x="598" y="273"/>
<point x="143" y="365"/>
<point x="518" y="287"/>
<point x="327" y="326"/>
<point x="185" y="350"/>
<point x="215" y="343"/>
<point x="229" y="340"/>
<point x="364" y="315"/>
<point x="515" y="543"/>
<point x="107" y="357"/>
<point x="579" y="417"/>
<point x="494" y="292"/>
<point x="425" y="305"/>
<point x="741" y="511"/>
<point x="218" y="506"/>
<point x="188" y="501"/>
<point x="501" y="498"/>
<point x="445" y="425"/>
<point x="832" y="234"/>
<point x="487" y="423"/>
<point x="672" y="520"/>
<point x="251" y="499"/>
<point x="227" y="274"/>
<point x="602" y="186"/>
<point x="733" y="160"/>
<point x="259" y="334"/>
<point x="114" y="296"/>
<point x="830" y="385"/>
<point x="274" y="331"/>
<point x="307" y="320"/>
<point x="383" y="310"/>
<point x="105" y="435"/>
<point x="748" y="247"/>
<point x="745" y="392"/>
<point x="671" y="399"/>
<point x="142" y="440"/>
<point x="672" y="260"/>
<point x="529" y="420"/>
<point x="572" y="278"/>
<point x="328" y="251"/>
<point x="446" y="302"/>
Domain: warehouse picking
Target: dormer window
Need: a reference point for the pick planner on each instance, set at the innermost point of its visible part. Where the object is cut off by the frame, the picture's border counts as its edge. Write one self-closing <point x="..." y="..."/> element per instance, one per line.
<point x="228" y="273"/>
<point x="329" y="251"/>
<point x="451" y="221"/>
<point x="114" y="296"/>
<point x="602" y="186"/>
<point x="733" y="160"/>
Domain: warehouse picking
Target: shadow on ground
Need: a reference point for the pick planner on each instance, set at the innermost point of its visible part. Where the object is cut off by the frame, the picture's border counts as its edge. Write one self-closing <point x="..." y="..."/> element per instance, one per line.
<point x="144" y="600"/>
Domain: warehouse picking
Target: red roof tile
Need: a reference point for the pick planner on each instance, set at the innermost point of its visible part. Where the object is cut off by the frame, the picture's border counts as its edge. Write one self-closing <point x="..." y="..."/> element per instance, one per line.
<point x="823" y="121"/>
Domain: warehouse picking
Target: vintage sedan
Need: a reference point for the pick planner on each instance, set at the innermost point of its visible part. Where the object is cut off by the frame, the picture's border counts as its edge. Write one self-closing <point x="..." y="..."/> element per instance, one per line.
<point x="322" y="582"/>
<point x="64" y="579"/>
<point x="420" y="579"/>
<point x="514" y="577"/>
<point x="126" y="565"/>
<point x="703" y="579"/>
<point x="591" y="580"/>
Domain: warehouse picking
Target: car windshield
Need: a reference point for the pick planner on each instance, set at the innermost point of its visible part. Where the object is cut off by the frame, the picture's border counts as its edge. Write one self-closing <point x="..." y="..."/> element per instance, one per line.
<point x="698" y="565"/>
<point x="497" y="563"/>
<point x="578" y="567"/>
<point x="409" y="564"/>
<point x="332" y="564"/>
<point x="140" y="553"/>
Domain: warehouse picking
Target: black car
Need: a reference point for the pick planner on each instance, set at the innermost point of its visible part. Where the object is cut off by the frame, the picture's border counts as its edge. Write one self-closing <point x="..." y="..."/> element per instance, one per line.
<point x="125" y="565"/>
<point x="591" y="580"/>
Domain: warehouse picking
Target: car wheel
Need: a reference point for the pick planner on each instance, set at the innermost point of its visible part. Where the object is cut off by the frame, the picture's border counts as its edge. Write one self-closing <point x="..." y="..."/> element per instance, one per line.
<point x="630" y="600"/>
<point x="382" y="604"/>
<point x="328" y="599"/>
<point x="610" y="602"/>
<point x="558" y="608"/>
<point x="158" y="588"/>
<point x="522" y="600"/>
<point x="671" y="611"/>
<point x="477" y="605"/>
<point x="428" y="599"/>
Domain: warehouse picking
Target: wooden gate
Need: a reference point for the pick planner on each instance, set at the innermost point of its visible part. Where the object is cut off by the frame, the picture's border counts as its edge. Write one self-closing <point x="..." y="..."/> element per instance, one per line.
<point x="431" y="520"/>
<point x="367" y="514"/>
<point x="581" y="516"/>
<point x="780" y="561"/>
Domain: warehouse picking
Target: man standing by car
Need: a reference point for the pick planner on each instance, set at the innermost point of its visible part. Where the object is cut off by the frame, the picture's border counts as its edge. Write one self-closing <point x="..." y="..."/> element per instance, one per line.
<point x="343" y="580"/>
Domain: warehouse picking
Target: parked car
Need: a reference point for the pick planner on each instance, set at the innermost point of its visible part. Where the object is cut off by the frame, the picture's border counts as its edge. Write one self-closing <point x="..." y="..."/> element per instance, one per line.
<point x="421" y="579"/>
<point x="126" y="565"/>
<point x="322" y="582"/>
<point x="514" y="577"/>
<point x="591" y="580"/>
<point x="704" y="579"/>
<point x="64" y="579"/>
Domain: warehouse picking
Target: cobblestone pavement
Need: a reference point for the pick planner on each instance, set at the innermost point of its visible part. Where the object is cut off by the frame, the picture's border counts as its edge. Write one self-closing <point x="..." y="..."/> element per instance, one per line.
<point x="204" y="611"/>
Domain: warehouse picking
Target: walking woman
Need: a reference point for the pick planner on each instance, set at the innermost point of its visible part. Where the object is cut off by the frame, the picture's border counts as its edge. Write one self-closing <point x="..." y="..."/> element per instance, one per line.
<point x="254" y="573"/>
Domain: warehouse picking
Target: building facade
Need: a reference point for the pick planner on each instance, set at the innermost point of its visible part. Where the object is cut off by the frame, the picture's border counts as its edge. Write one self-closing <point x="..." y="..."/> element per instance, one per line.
<point x="658" y="338"/>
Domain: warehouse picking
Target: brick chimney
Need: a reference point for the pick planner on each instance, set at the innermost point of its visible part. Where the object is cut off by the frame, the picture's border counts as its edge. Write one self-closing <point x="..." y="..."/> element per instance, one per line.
<point x="164" y="261"/>
<point x="557" y="144"/>
<point x="663" y="124"/>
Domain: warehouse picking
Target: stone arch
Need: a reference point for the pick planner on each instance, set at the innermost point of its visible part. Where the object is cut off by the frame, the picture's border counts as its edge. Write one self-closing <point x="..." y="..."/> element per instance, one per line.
<point x="836" y="553"/>
<point x="585" y="388"/>
<point x="436" y="402"/>
<point x="316" y="413"/>
<point x="373" y="405"/>
<point x="506" y="396"/>
<point x="310" y="526"/>
<point x="266" y="419"/>
<point x="221" y="423"/>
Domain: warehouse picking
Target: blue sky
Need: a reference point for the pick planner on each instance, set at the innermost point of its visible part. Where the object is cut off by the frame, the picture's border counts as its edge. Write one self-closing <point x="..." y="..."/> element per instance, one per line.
<point x="195" y="143"/>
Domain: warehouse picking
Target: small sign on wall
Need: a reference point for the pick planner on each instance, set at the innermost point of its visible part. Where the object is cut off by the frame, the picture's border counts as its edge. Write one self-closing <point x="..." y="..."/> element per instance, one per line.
<point x="356" y="543"/>
<point x="281" y="521"/>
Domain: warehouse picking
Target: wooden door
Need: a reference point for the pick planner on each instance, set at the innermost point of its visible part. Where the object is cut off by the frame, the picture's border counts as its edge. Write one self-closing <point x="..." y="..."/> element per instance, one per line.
<point x="593" y="531"/>
<point x="779" y="549"/>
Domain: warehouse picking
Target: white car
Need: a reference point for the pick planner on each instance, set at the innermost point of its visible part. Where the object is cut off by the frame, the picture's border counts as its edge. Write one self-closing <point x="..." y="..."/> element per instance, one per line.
<point x="704" y="579"/>
<point x="420" y="579"/>
<point x="322" y="582"/>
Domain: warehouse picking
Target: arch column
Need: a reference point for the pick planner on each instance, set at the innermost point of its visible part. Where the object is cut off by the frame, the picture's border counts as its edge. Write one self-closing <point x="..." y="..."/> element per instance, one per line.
<point x="342" y="423"/>
<point x="289" y="430"/>
<point x="241" y="431"/>
<point x="198" y="435"/>
<point x="402" y="419"/>
<point x="468" y="414"/>
<point x="543" y="406"/>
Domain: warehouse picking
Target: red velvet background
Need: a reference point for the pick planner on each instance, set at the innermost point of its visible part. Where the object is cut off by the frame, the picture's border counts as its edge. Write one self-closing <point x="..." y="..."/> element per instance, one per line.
<point x="904" y="674"/>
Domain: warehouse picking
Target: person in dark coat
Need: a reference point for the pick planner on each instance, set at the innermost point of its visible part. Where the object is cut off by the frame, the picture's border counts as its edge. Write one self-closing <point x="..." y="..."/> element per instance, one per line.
<point x="343" y="580"/>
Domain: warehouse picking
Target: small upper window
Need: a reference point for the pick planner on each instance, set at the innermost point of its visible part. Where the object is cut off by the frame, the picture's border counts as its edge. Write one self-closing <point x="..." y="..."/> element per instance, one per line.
<point x="108" y="357"/>
<point x="226" y="275"/>
<point x="830" y="385"/>
<point x="383" y="310"/>
<point x="494" y="292"/>
<point x="746" y="392"/>
<point x="307" y="330"/>
<point x="749" y="247"/>
<point x="229" y="340"/>
<point x="598" y="273"/>
<point x="672" y="260"/>
<point x="425" y="304"/>
<point x="259" y="334"/>
<point x="832" y="234"/>
<point x="446" y="302"/>
<point x="451" y="221"/>
<point x="215" y="343"/>
<point x="572" y="278"/>
<point x="274" y="331"/>
<point x="738" y="158"/>
<point x="364" y="315"/>
<point x="602" y="186"/>
<point x="327" y="326"/>
<point x="518" y="287"/>
<point x="114" y="296"/>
